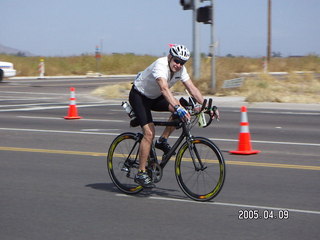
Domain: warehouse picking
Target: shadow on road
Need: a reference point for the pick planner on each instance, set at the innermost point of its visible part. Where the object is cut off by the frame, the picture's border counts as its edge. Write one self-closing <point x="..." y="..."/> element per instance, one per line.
<point x="160" y="192"/>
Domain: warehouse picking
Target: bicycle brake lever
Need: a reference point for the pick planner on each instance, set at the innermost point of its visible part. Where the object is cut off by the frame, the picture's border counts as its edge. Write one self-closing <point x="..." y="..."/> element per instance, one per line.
<point x="203" y="105"/>
<point x="209" y="104"/>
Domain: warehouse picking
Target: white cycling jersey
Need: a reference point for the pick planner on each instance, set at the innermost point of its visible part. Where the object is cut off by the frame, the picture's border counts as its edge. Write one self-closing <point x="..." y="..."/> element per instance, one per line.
<point x="146" y="82"/>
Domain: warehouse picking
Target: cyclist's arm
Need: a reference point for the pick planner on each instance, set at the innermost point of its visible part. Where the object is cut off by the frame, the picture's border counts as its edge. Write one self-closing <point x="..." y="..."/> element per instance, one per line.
<point x="163" y="84"/>
<point x="194" y="91"/>
<point x="165" y="90"/>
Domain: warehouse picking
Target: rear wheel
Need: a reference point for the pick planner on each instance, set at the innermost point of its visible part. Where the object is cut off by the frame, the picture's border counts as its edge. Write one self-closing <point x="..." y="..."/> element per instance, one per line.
<point x="200" y="169"/>
<point x="122" y="162"/>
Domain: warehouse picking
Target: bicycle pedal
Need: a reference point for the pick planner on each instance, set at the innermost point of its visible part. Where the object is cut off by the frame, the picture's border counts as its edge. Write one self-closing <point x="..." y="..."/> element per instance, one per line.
<point x="125" y="169"/>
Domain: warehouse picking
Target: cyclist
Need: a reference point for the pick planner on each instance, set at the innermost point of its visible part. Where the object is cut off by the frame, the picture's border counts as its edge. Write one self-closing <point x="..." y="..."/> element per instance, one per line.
<point x="151" y="91"/>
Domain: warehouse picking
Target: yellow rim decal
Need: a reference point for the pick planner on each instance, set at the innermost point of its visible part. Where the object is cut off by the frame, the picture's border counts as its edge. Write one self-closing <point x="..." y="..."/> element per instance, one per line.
<point x="110" y="164"/>
<point x="135" y="189"/>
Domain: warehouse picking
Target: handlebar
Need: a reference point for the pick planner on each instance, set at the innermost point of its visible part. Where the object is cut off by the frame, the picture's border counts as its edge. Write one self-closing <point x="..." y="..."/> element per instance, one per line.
<point x="205" y="109"/>
<point x="204" y="104"/>
<point x="193" y="110"/>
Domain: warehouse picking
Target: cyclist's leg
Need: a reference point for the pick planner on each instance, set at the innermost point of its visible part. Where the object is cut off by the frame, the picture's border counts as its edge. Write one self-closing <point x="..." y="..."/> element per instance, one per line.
<point x="142" y="107"/>
<point x="168" y="129"/>
<point x="142" y="177"/>
<point x="161" y="104"/>
<point x="145" y="145"/>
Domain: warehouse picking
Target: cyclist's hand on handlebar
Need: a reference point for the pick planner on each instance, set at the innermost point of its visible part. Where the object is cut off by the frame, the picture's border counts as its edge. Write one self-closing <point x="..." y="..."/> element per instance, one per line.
<point x="214" y="113"/>
<point x="182" y="113"/>
<point x="197" y="108"/>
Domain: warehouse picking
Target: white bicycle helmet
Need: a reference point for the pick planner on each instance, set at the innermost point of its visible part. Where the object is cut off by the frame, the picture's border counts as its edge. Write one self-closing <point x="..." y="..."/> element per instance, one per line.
<point x="180" y="52"/>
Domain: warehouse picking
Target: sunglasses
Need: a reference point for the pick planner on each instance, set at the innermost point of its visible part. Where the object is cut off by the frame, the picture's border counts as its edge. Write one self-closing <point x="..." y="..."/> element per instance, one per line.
<point x="179" y="61"/>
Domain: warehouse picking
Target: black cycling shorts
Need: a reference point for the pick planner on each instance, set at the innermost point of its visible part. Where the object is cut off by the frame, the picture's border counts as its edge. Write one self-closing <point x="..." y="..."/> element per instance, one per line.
<point x="143" y="105"/>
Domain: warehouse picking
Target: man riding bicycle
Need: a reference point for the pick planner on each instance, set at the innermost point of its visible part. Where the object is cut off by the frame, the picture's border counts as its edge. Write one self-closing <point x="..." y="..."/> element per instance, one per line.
<point x="151" y="91"/>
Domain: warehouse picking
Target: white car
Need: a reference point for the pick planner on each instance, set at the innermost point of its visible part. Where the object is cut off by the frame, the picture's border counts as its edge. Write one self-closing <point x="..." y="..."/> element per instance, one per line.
<point x="6" y="70"/>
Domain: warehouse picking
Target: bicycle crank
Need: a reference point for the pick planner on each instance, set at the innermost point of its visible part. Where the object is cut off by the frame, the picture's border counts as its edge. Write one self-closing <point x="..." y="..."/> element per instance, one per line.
<point x="155" y="172"/>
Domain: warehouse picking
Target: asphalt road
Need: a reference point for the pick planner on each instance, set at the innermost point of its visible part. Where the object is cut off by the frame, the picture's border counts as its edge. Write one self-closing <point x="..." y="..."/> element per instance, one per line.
<point x="54" y="182"/>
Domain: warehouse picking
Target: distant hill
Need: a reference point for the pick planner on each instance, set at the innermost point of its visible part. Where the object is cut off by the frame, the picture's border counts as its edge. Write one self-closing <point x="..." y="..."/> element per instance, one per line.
<point x="14" y="51"/>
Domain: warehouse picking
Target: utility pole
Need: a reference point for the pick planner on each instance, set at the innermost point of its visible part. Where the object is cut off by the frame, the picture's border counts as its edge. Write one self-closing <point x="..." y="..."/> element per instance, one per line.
<point x="213" y="58"/>
<point x="196" y="42"/>
<point x="202" y="15"/>
<point x="269" y="32"/>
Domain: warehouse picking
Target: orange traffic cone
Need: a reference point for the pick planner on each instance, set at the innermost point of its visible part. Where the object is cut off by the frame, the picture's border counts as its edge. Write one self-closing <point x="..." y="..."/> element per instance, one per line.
<point x="72" y="112"/>
<point x="244" y="146"/>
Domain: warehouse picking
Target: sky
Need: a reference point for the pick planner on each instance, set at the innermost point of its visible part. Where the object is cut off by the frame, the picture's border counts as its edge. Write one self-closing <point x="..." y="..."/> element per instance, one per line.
<point x="75" y="27"/>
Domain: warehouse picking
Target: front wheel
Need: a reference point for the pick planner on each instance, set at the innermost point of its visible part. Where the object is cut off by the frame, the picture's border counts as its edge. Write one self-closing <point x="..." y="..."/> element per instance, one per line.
<point x="122" y="162"/>
<point x="200" y="169"/>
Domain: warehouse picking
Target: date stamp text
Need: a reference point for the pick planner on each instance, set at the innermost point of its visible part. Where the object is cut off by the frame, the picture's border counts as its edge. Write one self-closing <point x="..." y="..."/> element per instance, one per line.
<point x="267" y="214"/>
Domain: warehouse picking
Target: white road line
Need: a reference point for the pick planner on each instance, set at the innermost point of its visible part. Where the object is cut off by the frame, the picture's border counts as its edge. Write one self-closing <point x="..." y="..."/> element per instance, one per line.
<point x="291" y="113"/>
<point x="56" y="107"/>
<point x="268" y="142"/>
<point x="33" y="108"/>
<point x="115" y="134"/>
<point x="99" y="130"/>
<point x="25" y="99"/>
<point x="57" y="131"/>
<point x="26" y="104"/>
<point x="237" y="205"/>
<point x="281" y="112"/>
<point x="83" y="119"/>
<point x="35" y="93"/>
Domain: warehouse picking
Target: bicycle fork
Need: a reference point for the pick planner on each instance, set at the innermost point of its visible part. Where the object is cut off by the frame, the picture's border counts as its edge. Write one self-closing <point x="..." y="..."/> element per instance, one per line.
<point x="195" y="156"/>
<point x="132" y="159"/>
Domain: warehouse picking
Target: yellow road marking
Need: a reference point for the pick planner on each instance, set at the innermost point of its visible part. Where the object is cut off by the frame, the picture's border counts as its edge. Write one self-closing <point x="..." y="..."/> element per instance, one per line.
<point x="51" y="151"/>
<point x="274" y="165"/>
<point x="96" y="154"/>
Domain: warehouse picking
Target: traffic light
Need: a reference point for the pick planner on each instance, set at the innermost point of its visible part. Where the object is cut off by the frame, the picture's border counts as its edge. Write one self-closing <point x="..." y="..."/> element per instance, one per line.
<point x="187" y="4"/>
<point x="204" y="14"/>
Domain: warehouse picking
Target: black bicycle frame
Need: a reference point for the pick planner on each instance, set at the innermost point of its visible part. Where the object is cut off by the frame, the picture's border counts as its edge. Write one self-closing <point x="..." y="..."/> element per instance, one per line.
<point x="185" y="133"/>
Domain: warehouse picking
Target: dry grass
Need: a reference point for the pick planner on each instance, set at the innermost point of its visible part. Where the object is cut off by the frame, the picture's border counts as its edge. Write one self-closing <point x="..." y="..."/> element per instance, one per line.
<point x="262" y="87"/>
<point x="80" y="65"/>
<point x="113" y="91"/>
<point x="295" y="88"/>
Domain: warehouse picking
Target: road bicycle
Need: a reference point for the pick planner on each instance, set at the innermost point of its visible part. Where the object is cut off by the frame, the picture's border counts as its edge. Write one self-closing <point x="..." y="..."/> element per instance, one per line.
<point x="199" y="164"/>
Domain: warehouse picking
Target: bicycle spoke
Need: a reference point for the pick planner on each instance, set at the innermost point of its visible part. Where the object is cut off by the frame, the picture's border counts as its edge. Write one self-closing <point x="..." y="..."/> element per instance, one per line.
<point x="200" y="169"/>
<point x="123" y="163"/>
<point x="196" y="158"/>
